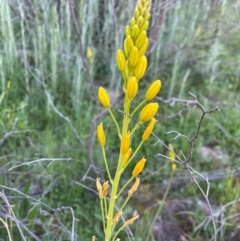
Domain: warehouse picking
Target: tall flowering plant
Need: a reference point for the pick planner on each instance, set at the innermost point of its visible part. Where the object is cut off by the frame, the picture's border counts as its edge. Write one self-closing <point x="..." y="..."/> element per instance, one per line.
<point x="132" y="63"/>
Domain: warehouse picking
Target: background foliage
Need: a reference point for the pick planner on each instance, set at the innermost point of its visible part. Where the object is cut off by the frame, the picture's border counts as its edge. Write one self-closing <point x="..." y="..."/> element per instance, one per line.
<point x="49" y="111"/>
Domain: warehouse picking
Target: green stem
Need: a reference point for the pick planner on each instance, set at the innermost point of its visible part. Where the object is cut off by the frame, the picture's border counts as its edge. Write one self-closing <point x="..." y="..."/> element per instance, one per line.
<point x="144" y="101"/>
<point x="103" y="216"/>
<point x="125" y="185"/>
<point x="114" y="120"/>
<point x="106" y="164"/>
<point x="119" y="230"/>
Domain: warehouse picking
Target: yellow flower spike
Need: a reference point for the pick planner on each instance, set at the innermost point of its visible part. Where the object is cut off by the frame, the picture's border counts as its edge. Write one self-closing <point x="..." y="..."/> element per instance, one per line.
<point x="121" y="61"/>
<point x="139" y="167"/>
<point x="149" y="129"/>
<point x="134" y="187"/>
<point x="132" y="87"/>
<point x="117" y="216"/>
<point x="153" y="89"/>
<point x="134" y="56"/>
<point x="143" y="49"/>
<point x="171" y="153"/>
<point x="125" y="145"/>
<point x="101" y="135"/>
<point x="141" y="67"/>
<point x="105" y="188"/>
<point x="126" y="157"/>
<point x="130" y="221"/>
<point x="103" y="97"/>
<point x="148" y="112"/>
<point x="141" y="39"/>
<point x="99" y="188"/>
<point x="89" y="53"/>
<point x="128" y="45"/>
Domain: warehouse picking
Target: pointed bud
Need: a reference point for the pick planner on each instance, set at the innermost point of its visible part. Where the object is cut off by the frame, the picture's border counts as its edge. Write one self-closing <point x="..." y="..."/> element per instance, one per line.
<point x="125" y="145"/>
<point x="132" y="88"/>
<point x="140" y="20"/>
<point x="126" y="157"/>
<point x="128" y="45"/>
<point x="153" y="89"/>
<point x="130" y="221"/>
<point x="148" y="112"/>
<point x="149" y="129"/>
<point x="105" y="188"/>
<point x="141" y="67"/>
<point x="128" y="31"/>
<point x="144" y="26"/>
<point x="101" y="135"/>
<point x="139" y="167"/>
<point x="121" y="61"/>
<point x="141" y="39"/>
<point x="134" y="187"/>
<point x="134" y="56"/>
<point x="103" y="97"/>
<point x="99" y="187"/>
<point x="135" y="31"/>
<point x="117" y="216"/>
<point x="143" y="49"/>
<point x="171" y="153"/>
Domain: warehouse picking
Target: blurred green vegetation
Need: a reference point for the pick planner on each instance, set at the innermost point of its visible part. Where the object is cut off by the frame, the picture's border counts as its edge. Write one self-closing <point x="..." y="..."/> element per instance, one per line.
<point x="49" y="109"/>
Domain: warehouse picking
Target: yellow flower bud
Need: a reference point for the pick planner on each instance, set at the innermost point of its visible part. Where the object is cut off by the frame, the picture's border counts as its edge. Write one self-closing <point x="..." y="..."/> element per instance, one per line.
<point x="143" y="49"/>
<point x="141" y="67"/>
<point x="149" y="129"/>
<point x="133" y="22"/>
<point x="99" y="187"/>
<point x="140" y="20"/>
<point x="134" y="56"/>
<point x="148" y="112"/>
<point x="105" y="188"/>
<point x="103" y="97"/>
<point x="174" y="166"/>
<point x="121" y="61"/>
<point x="135" y="30"/>
<point x="89" y="53"/>
<point x="139" y="167"/>
<point x="141" y="39"/>
<point x="101" y="135"/>
<point x="153" y="89"/>
<point x="126" y="157"/>
<point x="128" y="31"/>
<point x="132" y="87"/>
<point x="134" y="187"/>
<point x="130" y="221"/>
<point x="128" y="45"/>
<point x="144" y="26"/>
<point x="125" y="145"/>
<point x="171" y="153"/>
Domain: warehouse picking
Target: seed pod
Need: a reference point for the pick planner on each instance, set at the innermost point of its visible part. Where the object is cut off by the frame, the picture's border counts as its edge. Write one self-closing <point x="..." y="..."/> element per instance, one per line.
<point x="121" y="61"/>
<point x="134" y="187"/>
<point x="103" y="97"/>
<point x="141" y="67"/>
<point x="134" y="56"/>
<point x="148" y="112"/>
<point x="132" y="87"/>
<point x="153" y="89"/>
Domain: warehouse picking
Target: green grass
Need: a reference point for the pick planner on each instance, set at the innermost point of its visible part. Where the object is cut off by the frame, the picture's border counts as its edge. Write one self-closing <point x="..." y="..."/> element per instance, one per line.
<point x="195" y="50"/>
